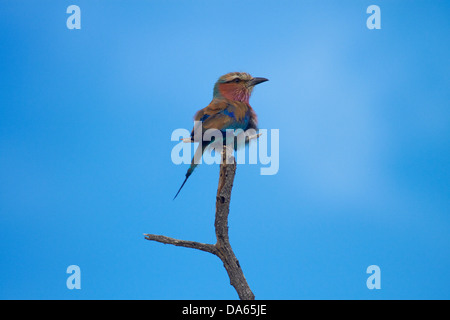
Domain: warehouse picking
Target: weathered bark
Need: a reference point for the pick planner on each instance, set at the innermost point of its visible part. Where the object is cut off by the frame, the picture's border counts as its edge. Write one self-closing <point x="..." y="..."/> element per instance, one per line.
<point x="222" y="248"/>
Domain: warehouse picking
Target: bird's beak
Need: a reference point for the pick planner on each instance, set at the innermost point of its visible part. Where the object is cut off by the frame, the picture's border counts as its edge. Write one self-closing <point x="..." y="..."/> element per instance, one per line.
<point x="256" y="81"/>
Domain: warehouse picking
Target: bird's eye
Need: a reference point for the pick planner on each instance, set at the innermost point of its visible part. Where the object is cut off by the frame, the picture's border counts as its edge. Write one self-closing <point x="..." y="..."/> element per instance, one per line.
<point x="237" y="80"/>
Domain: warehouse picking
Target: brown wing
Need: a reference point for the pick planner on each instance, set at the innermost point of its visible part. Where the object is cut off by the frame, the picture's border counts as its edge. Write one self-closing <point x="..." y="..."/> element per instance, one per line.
<point x="210" y="117"/>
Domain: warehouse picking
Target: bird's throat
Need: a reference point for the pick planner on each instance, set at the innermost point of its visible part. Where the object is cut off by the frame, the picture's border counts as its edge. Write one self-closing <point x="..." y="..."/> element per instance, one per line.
<point x="232" y="92"/>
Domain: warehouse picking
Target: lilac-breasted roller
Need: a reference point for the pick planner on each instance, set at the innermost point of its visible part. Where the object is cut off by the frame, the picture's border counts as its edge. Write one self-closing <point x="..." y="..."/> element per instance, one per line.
<point x="229" y="109"/>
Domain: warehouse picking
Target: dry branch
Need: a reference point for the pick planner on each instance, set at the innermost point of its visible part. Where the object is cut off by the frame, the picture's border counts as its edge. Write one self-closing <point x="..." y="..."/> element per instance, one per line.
<point x="222" y="248"/>
<point x="182" y="243"/>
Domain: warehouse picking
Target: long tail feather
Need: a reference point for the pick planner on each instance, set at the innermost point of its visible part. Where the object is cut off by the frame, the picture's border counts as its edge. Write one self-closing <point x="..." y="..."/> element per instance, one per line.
<point x="194" y="163"/>
<point x="187" y="176"/>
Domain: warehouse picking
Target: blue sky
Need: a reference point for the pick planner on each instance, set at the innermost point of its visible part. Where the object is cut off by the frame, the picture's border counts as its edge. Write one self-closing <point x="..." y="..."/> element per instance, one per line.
<point x="85" y="123"/>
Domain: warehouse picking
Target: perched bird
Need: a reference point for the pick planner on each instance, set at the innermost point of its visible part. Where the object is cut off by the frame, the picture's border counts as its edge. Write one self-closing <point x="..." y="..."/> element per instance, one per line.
<point x="229" y="109"/>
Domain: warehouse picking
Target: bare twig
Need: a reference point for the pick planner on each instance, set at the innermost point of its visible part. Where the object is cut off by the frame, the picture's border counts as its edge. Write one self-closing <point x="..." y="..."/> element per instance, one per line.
<point x="247" y="138"/>
<point x="222" y="248"/>
<point x="182" y="243"/>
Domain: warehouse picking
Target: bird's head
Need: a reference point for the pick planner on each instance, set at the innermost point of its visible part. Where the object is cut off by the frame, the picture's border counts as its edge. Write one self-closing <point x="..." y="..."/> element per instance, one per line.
<point x="236" y="86"/>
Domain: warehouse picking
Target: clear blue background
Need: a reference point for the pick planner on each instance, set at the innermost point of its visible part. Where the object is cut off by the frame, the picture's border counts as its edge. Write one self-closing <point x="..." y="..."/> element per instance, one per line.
<point x="85" y="123"/>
